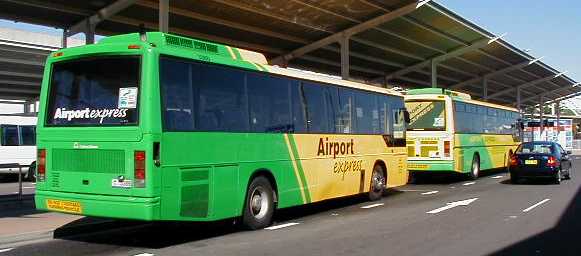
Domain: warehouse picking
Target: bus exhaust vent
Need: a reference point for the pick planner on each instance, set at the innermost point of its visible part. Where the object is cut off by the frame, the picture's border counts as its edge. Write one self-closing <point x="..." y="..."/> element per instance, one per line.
<point x="191" y="44"/>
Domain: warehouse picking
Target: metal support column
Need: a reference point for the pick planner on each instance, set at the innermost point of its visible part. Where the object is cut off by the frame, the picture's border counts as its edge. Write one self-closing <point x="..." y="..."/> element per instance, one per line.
<point x="89" y="33"/>
<point x="558" y="112"/>
<point x="164" y="16"/>
<point x="518" y="100"/>
<point x="64" y="38"/>
<point x="485" y="88"/>
<point x="434" y="69"/>
<point x="344" y="42"/>
<point x="541" y="114"/>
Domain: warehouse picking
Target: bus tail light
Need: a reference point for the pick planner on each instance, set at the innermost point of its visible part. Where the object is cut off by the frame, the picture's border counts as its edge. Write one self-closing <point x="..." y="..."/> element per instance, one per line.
<point x="139" y="169"/>
<point x="41" y="165"/>
<point x="552" y="162"/>
<point x="446" y="148"/>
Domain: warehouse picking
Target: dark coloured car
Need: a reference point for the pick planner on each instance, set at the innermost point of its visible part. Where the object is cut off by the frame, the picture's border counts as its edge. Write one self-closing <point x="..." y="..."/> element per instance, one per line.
<point x="540" y="159"/>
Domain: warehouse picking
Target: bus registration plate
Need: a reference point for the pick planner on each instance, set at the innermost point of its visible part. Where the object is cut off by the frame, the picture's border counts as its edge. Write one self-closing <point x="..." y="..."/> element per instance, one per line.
<point x="64" y="206"/>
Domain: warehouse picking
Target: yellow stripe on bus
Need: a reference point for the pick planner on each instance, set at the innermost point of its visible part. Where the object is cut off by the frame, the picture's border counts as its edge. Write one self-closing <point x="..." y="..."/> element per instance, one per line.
<point x="293" y="160"/>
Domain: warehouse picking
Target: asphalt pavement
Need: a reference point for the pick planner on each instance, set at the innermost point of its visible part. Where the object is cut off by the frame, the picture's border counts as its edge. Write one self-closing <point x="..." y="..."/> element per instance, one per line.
<point x="445" y="216"/>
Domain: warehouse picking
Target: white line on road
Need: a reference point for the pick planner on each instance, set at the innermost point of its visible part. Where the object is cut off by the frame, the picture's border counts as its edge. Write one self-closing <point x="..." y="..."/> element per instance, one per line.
<point x="282" y="226"/>
<point x="429" y="193"/>
<point x="497" y="177"/>
<point x="6" y="249"/>
<point x="413" y="190"/>
<point x="371" y="206"/>
<point x="535" y="205"/>
<point x="452" y="205"/>
<point x="144" y="254"/>
<point x="27" y="187"/>
<point x="469" y="183"/>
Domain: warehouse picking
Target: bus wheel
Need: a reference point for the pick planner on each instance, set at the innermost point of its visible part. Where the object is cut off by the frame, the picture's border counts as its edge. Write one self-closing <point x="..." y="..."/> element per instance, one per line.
<point x="475" y="170"/>
<point x="259" y="204"/>
<point x="377" y="183"/>
<point x="31" y="174"/>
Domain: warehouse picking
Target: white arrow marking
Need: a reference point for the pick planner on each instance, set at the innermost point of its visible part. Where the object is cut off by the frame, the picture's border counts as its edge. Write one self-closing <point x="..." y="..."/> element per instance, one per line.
<point x="6" y="249"/>
<point x="452" y="205"/>
<point x="371" y="206"/>
<point x="282" y="226"/>
<point x="535" y="205"/>
<point x="497" y="177"/>
<point x="429" y="193"/>
<point x="469" y="183"/>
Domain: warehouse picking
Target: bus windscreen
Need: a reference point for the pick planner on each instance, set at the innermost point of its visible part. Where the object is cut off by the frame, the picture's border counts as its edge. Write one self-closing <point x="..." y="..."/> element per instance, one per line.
<point x="426" y="115"/>
<point x="94" y="91"/>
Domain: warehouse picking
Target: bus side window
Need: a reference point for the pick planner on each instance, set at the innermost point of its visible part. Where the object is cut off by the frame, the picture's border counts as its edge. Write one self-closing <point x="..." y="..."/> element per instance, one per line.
<point x="10" y="135"/>
<point x="28" y="135"/>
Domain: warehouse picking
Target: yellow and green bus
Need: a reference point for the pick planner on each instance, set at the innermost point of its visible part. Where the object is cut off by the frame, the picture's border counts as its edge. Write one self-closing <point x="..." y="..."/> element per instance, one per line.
<point x="156" y="126"/>
<point x="450" y="132"/>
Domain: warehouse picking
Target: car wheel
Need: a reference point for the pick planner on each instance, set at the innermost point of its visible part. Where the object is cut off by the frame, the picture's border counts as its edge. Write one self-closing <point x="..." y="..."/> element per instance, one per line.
<point x="475" y="169"/>
<point x="513" y="178"/>
<point x="558" y="177"/>
<point x="259" y="204"/>
<point x="377" y="183"/>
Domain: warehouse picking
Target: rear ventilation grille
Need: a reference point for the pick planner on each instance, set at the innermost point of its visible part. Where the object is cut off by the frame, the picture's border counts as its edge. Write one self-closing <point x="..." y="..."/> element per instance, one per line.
<point x="89" y="160"/>
<point x="190" y="44"/>
<point x="195" y="192"/>
<point x="55" y="179"/>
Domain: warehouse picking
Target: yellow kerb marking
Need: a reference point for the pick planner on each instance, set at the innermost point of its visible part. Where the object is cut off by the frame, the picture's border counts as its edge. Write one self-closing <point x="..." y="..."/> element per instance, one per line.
<point x="296" y="169"/>
<point x="231" y="52"/>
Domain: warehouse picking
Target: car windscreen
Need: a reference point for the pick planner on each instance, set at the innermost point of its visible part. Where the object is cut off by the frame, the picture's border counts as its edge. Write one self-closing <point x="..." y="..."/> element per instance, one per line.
<point x="536" y="148"/>
<point x="94" y="91"/>
<point x="426" y="115"/>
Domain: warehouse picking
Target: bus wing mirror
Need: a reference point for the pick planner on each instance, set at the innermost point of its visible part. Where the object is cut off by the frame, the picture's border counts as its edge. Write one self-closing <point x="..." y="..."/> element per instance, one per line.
<point x="521" y="125"/>
<point x="406" y="116"/>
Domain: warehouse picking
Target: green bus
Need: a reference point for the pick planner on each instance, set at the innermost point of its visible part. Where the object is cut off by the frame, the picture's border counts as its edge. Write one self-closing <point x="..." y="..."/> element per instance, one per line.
<point x="451" y="132"/>
<point x="156" y="126"/>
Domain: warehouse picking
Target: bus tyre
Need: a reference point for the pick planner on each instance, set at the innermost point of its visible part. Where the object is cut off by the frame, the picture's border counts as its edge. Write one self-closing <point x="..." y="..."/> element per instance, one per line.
<point x="475" y="169"/>
<point x="31" y="174"/>
<point x="259" y="204"/>
<point x="378" y="182"/>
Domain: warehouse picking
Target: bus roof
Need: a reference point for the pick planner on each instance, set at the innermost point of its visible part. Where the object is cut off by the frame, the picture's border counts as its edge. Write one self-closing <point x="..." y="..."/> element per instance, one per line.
<point x="220" y="54"/>
<point x="429" y="93"/>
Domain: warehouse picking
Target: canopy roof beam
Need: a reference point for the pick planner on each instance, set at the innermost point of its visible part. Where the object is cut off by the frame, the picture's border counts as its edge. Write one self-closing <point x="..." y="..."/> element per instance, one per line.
<point x="494" y="73"/>
<point x="101" y="15"/>
<point x="525" y="85"/>
<point x="350" y="31"/>
<point x="454" y="53"/>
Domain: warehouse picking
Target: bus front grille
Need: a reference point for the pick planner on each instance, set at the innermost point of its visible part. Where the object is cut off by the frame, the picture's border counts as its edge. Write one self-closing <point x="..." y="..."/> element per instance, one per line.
<point x="88" y="160"/>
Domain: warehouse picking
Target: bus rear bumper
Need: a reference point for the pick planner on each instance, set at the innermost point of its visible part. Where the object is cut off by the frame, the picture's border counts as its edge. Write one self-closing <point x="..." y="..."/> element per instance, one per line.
<point x="122" y="207"/>
<point x="431" y="166"/>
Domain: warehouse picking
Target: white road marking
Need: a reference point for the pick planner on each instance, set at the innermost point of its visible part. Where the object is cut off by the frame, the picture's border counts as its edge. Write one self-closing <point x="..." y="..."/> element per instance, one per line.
<point x="452" y="205"/>
<point x="33" y="183"/>
<point x="452" y="187"/>
<point x="535" y="205"/>
<point x="413" y="190"/>
<point x="429" y="193"/>
<point x="469" y="183"/>
<point x="371" y="206"/>
<point x="282" y="226"/>
<point x="334" y="214"/>
<point x="497" y="177"/>
<point x="27" y="187"/>
<point x="6" y="250"/>
<point x="144" y="254"/>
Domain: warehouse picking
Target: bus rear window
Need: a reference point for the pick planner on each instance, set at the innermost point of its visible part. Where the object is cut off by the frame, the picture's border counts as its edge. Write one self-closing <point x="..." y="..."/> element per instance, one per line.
<point x="426" y="115"/>
<point x="94" y="91"/>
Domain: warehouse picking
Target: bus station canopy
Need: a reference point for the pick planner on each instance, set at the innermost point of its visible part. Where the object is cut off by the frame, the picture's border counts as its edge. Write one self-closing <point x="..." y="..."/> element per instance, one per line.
<point x="403" y="43"/>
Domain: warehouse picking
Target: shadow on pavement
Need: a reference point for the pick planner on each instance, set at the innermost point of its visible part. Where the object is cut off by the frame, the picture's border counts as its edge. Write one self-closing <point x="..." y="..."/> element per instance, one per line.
<point x="446" y="178"/>
<point x="156" y="235"/>
<point x="563" y="239"/>
<point x="10" y="206"/>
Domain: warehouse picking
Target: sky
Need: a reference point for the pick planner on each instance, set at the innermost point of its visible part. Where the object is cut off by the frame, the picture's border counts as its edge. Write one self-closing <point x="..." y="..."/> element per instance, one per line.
<point x="549" y="29"/>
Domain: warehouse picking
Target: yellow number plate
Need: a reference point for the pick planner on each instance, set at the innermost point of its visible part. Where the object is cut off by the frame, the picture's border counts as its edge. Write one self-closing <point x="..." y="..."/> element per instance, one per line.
<point x="64" y="206"/>
<point x="531" y="162"/>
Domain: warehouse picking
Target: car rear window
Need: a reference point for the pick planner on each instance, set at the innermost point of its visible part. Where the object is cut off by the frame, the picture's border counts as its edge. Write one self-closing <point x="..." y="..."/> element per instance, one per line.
<point x="530" y="148"/>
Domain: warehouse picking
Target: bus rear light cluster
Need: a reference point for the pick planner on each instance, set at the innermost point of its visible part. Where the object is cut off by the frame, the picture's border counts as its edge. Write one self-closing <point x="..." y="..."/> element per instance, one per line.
<point x="41" y="165"/>
<point x="447" y="148"/>
<point x="139" y="169"/>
